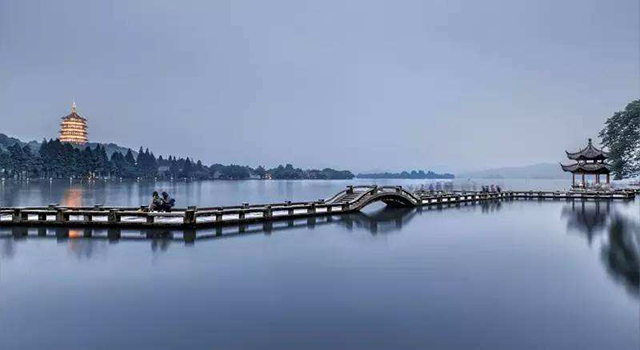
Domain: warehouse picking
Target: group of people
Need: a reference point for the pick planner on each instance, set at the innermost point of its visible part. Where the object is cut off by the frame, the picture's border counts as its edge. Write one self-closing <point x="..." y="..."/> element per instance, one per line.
<point x="164" y="203"/>
<point x="447" y="186"/>
<point x="491" y="189"/>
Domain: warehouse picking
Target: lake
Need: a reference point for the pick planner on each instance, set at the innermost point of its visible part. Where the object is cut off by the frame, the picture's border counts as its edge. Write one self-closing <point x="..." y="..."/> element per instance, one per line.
<point x="500" y="275"/>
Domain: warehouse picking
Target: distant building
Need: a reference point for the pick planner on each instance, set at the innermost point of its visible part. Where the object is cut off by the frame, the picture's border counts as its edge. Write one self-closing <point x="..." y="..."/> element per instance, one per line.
<point x="73" y="128"/>
<point x="589" y="161"/>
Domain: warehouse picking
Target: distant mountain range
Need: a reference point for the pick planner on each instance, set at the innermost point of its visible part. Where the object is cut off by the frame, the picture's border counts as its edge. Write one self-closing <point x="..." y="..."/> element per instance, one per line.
<point x="535" y="171"/>
<point x="111" y="148"/>
<point x="414" y="174"/>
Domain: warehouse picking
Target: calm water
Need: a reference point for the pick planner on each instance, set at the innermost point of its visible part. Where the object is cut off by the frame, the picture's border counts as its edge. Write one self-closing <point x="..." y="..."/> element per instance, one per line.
<point x="207" y="193"/>
<point x="510" y="275"/>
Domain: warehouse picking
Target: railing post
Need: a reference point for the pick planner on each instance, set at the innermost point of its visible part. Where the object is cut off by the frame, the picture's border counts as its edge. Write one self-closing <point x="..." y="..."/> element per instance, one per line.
<point x="345" y="207"/>
<point x="113" y="216"/>
<point x="241" y="215"/>
<point x="311" y="209"/>
<point x="16" y="217"/>
<point x="61" y="215"/>
<point x="329" y="208"/>
<point x="219" y="216"/>
<point x="267" y="213"/>
<point x="88" y="217"/>
<point x="190" y="216"/>
<point x="349" y="189"/>
<point x="150" y="218"/>
<point x="42" y="217"/>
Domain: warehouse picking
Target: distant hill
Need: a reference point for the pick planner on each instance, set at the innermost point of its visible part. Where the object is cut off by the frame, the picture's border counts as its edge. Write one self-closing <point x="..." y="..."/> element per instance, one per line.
<point x="536" y="171"/>
<point x="111" y="148"/>
<point x="414" y="174"/>
<point x="7" y="141"/>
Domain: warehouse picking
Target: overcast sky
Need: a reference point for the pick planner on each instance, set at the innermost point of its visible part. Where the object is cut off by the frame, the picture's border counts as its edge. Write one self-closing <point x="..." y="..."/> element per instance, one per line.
<point x="444" y="85"/>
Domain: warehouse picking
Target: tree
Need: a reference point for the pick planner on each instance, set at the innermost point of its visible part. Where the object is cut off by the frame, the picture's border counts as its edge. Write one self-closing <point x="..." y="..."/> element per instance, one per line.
<point x="146" y="164"/>
<point x="621" y="135"/>
<point x="260" y="171"/>
<point x="19" y="160"/>
<point x="187" y="169"/>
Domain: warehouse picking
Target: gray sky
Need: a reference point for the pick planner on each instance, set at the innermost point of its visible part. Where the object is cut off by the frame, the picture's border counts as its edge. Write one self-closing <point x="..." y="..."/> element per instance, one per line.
<point x="444" y="85"/>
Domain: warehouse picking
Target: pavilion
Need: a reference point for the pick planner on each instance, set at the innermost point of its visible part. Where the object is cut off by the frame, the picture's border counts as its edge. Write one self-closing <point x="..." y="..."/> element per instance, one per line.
<point x="589" y="161"/>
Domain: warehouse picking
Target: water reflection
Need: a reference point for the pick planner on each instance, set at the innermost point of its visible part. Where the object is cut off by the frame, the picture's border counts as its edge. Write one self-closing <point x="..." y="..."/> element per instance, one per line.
<point x="72" y="196"/>
<point x="491" y="207"/>
<point x="83" y="243"/>
<point x="620" y="253"/>
<point x="587" y="218"/>
<point x="620" y="250"/>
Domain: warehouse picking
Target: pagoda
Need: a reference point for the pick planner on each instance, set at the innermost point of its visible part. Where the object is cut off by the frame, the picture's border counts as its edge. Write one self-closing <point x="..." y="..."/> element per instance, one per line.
<point x="73" y="128"/>
<point x="588" y="161"/>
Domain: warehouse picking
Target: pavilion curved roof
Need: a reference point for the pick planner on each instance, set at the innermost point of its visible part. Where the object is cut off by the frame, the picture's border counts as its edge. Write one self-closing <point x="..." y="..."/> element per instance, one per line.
<point x="588" y="153"/>
<point x="587" y="167"/>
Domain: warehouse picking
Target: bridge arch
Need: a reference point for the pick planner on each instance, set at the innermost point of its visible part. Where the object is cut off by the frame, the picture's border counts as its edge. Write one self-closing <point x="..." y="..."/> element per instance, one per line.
<point x="396" y="197"/>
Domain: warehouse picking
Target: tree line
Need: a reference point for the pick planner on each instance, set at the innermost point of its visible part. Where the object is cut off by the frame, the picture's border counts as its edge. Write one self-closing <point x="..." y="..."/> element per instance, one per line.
<point x="621" y="134"/>
<point x="55" y="159"/>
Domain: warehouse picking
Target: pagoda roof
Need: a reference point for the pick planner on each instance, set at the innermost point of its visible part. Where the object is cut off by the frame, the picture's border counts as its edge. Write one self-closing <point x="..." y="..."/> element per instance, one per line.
<point x="601" y="168"/>
<point x="588" y="153"/>
<point x="74" y="115"/>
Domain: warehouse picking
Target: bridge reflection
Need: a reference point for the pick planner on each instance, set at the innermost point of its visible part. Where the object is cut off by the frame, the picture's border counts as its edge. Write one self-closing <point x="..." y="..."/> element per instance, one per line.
<point x="84" y="242"/>
<point x="620" y="248"/>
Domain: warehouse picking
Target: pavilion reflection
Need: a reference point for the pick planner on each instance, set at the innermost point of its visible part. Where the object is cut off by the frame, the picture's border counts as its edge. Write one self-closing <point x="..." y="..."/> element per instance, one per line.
<point x="587" y="218"/>
<point x="620" y="250"/>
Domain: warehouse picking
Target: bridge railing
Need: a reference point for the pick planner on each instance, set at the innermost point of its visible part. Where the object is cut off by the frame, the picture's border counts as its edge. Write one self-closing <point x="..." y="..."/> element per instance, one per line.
<point x="64" y="215"/>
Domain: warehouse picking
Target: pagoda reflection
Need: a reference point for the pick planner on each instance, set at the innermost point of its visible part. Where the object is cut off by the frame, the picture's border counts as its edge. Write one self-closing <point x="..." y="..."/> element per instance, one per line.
<point x="72" y="197"/>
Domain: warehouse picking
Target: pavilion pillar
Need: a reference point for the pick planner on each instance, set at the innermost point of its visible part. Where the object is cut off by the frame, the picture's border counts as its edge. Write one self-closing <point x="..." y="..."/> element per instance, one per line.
<point x="607" y="178"/>
<point x="597" y="178"/>
<point x="573" y="178"/>
<point x="584" y="184"/>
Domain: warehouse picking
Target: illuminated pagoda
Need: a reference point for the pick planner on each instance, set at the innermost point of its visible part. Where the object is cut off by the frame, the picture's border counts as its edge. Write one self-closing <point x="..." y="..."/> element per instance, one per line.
<point x="73" y="128"/>
<point x="590" y="161"/>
